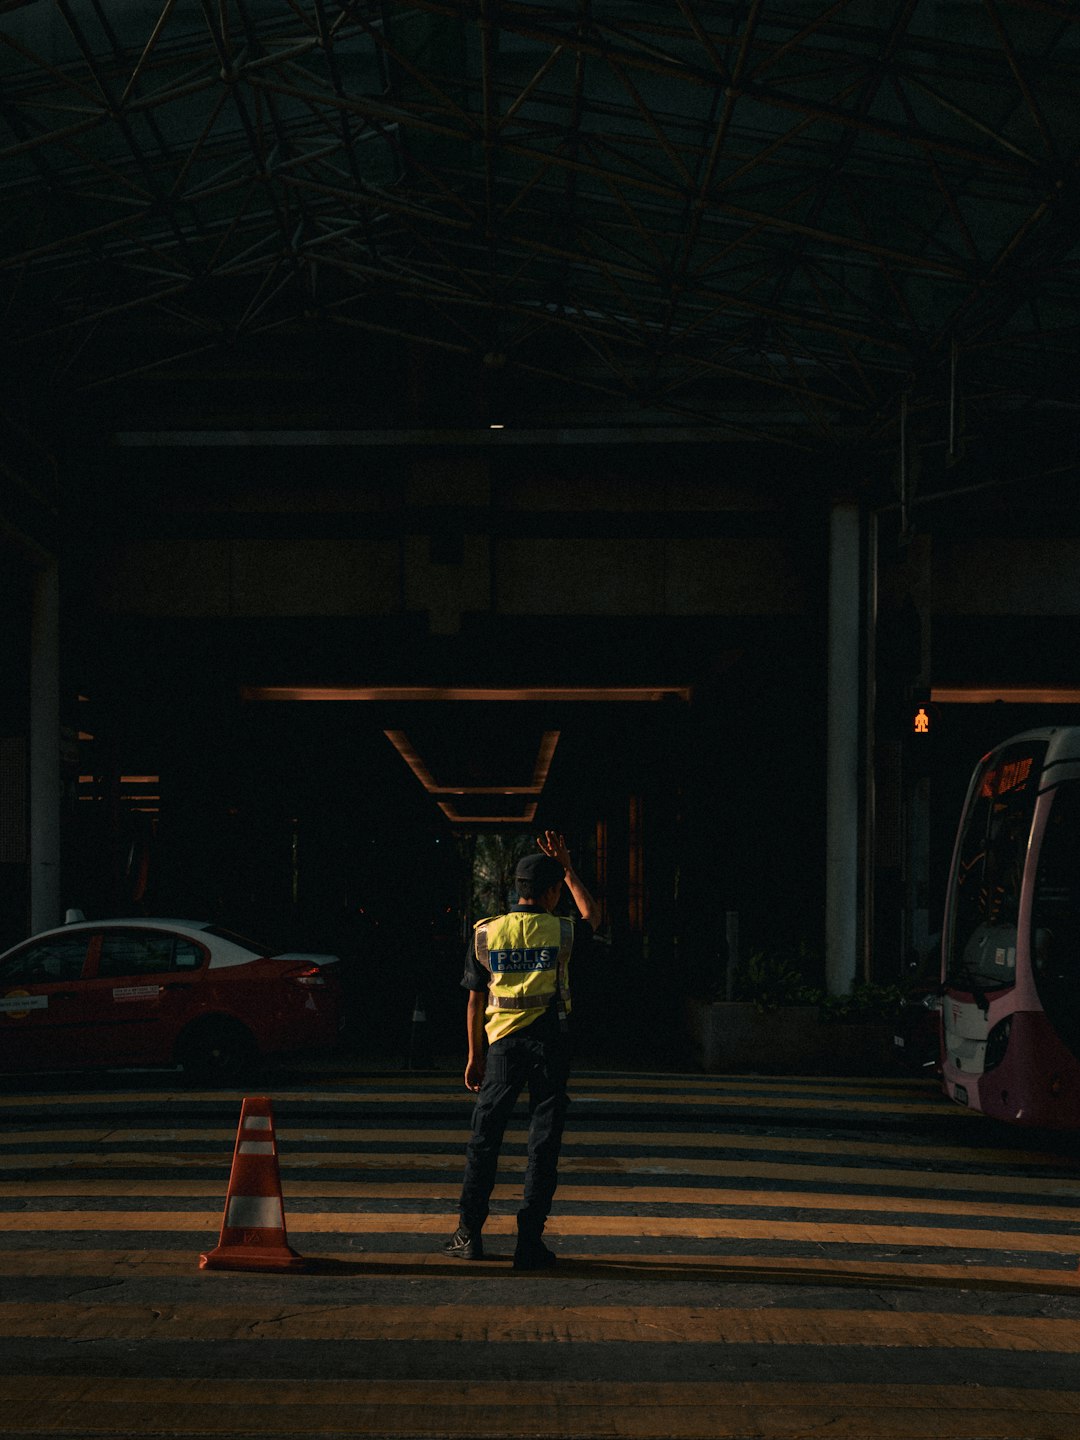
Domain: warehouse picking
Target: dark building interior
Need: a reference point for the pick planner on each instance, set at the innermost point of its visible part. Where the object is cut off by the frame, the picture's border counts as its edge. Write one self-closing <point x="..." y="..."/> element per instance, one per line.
<point x="479" y="375"/>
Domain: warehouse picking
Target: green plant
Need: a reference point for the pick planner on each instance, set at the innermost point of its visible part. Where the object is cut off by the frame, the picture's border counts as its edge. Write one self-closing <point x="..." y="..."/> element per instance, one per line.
<point x="772" y="980"/>
<point x="865" y="1002"/>
<point x="495" y="857"/>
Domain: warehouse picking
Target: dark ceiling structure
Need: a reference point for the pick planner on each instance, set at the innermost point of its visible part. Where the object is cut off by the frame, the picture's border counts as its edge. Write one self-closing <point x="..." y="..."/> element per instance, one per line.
<point x="830" y="227"/>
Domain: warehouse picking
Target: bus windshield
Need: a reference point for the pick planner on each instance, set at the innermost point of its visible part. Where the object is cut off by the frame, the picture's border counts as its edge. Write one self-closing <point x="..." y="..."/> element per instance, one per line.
<point x="981" y="936"/>
<point x="1055" y="915"/>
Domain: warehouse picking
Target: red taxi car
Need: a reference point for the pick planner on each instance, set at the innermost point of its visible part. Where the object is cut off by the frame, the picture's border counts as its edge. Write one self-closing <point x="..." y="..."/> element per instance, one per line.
<point x="159" y="992"/>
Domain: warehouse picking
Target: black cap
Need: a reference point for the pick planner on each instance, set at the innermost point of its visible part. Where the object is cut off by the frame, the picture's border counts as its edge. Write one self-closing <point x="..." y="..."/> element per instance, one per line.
<point x="538" y="872"/>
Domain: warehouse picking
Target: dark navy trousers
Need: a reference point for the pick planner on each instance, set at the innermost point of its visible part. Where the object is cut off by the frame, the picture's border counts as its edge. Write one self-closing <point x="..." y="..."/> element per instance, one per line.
<point x="540" y="1061"/>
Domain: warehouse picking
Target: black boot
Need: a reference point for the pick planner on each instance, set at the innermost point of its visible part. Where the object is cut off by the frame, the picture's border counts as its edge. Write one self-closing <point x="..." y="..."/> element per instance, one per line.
<point x="464" y="1245"/>
<point x="533" y="1254"/>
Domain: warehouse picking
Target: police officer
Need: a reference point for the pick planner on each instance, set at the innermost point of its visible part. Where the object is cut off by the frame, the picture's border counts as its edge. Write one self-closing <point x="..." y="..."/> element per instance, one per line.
<point x="519" y="998"/>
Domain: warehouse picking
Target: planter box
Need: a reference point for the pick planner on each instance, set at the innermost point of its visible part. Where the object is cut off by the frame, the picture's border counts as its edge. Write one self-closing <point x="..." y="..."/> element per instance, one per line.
<point x="736" y="1035"/>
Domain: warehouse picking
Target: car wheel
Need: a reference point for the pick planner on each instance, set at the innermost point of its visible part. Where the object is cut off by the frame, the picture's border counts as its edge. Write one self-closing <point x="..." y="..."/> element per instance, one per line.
<point x="217" y="1049"/>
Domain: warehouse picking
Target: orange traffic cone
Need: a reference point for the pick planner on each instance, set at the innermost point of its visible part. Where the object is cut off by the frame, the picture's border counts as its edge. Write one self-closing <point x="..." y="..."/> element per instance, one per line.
<point x="253" y="1230"/>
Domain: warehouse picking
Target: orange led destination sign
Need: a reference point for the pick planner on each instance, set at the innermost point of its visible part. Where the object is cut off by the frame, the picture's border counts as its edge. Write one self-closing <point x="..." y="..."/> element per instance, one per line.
<point x="1011" y="776"/>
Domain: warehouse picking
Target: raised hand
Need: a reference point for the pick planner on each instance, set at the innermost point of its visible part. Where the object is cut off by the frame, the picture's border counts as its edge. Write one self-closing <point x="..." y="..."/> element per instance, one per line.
<point x="554" y="845"/>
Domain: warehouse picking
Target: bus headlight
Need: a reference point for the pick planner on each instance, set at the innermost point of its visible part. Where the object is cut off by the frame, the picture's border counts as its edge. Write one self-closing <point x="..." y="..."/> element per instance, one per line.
<point x="997" y="1043"/>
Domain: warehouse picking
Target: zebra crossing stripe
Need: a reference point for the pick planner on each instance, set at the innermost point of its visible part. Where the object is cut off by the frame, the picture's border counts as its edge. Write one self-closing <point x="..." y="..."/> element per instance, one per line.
<point x="452" y="1096"/>
<point x="863" y="1189"/>
<point x="622" y="1411"/>
<point x="529" y="1324"/>
<point x="386" y="1266"/>
<point x="675" y="1228"/>
<point x="704" y="1227"/>
<point x="454" y="1140"/>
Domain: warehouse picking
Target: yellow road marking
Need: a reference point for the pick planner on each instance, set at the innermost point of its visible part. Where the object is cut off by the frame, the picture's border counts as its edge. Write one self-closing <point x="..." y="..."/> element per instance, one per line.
<point x="639" y="1139"/>
<point x="363" y="1188"/>
<point x="149" y="1136"/>
<point x="533" y="1324"/>
<point x="413" y="1096"/>
<point x="827" y="1084"/>
<point x="836" y="1087"/>
<point x="449" y="1081"/>
<point x="620" y="1410"/>
<point x="377" y="1265"/>
<point x="674" y="1080"/>
<point x="832" y="1086"/>
<point x="609" y="1195"/>
<point x="396" y="1223"/>
<point x="375" y="1081"/>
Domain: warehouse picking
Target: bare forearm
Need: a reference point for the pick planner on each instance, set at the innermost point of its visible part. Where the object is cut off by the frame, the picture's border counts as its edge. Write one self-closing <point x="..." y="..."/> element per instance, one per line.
<point x="474" y="1069"/>
<point x="475" y="1023"/>
<point x="554" y="844"/>
<point x="588" y="908"/>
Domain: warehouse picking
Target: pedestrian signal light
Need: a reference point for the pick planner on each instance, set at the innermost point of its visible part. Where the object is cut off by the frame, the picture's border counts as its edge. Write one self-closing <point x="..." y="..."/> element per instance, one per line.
<point x="921" y="723"/>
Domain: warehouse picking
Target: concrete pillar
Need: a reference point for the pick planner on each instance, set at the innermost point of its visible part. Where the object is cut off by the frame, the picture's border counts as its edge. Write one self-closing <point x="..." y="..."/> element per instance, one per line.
<point x="918" y="925"/>
<point x="868" y="848"/>
<point x="45" y="749"/>
<point x="842" y="768"/>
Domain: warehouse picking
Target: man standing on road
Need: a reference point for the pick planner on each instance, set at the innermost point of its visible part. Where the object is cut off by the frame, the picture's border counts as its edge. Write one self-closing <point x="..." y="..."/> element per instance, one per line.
<point x="519" y="998"/>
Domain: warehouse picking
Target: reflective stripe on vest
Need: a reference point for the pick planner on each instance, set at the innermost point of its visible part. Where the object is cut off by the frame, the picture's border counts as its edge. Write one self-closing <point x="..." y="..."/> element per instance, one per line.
<point x="526" y="955"/>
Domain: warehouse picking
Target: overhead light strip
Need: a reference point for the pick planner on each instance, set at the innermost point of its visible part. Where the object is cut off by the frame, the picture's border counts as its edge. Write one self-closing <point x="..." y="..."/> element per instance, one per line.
<point x="408" y="752"/>
<point x="544" y="757"/>
<point x="526" y="818"/>
<point x="1008" y="694"/>
<point x="621" y="694"/>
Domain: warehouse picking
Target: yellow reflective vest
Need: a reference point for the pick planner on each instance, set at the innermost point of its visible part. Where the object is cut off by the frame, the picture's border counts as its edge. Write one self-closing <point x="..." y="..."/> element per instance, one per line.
<point x="526" y="953"/>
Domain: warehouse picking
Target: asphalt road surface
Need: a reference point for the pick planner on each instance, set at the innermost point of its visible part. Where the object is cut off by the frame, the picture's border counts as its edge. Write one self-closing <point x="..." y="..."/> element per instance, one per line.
<point x="738" y="1257"/>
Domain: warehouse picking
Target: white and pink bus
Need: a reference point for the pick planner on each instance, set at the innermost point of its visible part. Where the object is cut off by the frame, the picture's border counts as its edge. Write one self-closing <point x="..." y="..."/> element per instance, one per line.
<point x="1011" y="941"/>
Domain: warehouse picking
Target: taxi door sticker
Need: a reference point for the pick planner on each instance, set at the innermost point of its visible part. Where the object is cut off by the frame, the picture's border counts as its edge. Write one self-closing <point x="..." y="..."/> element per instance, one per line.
<point x="136" y="992"/>
<point x="19" y="1003"/>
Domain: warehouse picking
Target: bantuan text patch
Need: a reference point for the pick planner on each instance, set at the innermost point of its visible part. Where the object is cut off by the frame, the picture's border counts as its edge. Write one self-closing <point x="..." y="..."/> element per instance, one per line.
<point x="503" y="960"/>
